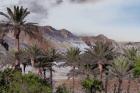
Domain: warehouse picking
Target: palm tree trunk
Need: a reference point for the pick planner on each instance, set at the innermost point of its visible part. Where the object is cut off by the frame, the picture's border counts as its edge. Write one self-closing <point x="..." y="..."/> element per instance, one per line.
<point x="35" y="70"/>
<point x="92" y="90"/>
<point x="73" y="79"/>
<point x="44" y="73"/>
<point x="32" y="62"/>
<point x="17" y="64"/>
<point x="114" y="90"/>
<point x="51" y="77"/>
<point x="106" y="82"/>
<point x="17" y="39"/>
<point x="119" y="85"/>
<point x="100" y="66"/>
<point x="39" y="71"/>
<point x="24" y="67"/>
<point x="129" y="81"/>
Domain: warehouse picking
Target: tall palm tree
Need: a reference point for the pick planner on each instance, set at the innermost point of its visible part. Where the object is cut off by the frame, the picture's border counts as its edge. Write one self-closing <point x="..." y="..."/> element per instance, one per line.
<point x="120" y="68"/>
<point x="72" y="58"/>
<point x="100" y="54"/>
<point x="16" y="21"/>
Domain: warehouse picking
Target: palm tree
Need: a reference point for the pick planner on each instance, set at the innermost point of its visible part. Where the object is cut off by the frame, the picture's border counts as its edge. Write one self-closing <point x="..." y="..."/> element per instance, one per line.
<point x="10" y="58"/>
<point x="42" y="64"/>
<point x="16" y="21"/>
<point x="120" y="68"/>
<point x="100" y="54"/>
<point x="33" y="52"/>
<point x="131" y="54"/>
<point x="72" y="59"/>
<point x="24" y="58"/>
<point x="136" y="70"/>
<point x="92" y="85"/>
<point x="47" y="61"/>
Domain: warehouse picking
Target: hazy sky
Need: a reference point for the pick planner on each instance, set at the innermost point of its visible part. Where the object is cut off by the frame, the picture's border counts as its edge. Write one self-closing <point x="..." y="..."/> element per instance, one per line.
<point x="117" y="19"/>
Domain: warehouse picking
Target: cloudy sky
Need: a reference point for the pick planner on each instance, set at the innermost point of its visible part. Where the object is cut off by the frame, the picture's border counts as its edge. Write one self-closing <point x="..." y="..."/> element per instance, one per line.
<point x="117" y="19"/>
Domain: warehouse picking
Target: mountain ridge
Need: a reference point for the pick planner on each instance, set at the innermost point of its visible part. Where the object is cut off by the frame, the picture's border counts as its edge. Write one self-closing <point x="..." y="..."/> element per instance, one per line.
<point x="62" y="39"/>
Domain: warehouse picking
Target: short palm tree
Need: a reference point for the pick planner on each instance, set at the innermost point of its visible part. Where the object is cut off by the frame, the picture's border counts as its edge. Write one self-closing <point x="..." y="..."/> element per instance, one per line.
<point x="120" y="68"/>
<point x="46" y="61"/>
<point x="72" y="58"/>
<point x="33" y="52"/>
<point x="100" y="54"/>
<point x="23" y="57"/>
<point x="131" y="54"/>
<point x="92" y="85"/>
<point x="136" y="71"/>
<point x="16" y="21"/>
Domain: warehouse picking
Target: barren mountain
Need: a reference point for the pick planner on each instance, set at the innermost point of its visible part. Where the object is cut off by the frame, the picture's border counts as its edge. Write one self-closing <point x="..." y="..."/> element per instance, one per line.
<point x="48" y="37"/>
<point x="62" y="39"/>
<point x="90" y="40"/>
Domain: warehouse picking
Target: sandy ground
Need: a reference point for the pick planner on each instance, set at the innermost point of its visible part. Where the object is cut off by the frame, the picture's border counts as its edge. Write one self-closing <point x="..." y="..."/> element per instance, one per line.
<point x="134" y="86"/>
<point x="60" y="77"/>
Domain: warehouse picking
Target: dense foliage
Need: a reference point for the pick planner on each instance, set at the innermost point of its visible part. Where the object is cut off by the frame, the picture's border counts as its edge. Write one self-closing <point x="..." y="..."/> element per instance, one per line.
<point x="91" y="85"/>
<point x="12" y="81"/>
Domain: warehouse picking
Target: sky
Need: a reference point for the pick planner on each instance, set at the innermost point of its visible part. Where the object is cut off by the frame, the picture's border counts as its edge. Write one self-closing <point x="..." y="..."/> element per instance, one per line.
<point x="116" y="19"/>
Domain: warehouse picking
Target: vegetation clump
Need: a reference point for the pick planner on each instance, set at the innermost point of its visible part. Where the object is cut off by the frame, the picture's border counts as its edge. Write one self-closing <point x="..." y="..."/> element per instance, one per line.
<point x="12" y="81"/>
<point x="92" y="85"/>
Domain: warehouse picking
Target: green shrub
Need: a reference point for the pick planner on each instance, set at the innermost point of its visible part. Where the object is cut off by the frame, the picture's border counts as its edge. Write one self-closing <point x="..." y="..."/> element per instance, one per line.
<point x="92" y="85"/>
<point x="62" y="89"/>
<point x="14" y="82"/>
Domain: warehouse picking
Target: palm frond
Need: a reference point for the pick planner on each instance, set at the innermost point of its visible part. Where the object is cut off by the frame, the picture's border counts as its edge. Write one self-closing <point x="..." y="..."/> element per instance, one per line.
<point x="5" y="15"/>
<point x="131" y="53"/>
<point x="120" y="67"/>
<point x="101" y="51"/>
<point x="72" y="56"/>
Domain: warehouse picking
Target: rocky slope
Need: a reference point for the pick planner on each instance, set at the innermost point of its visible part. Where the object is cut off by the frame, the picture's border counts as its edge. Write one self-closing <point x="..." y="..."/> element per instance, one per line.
<point x="50" y="37"/>
<point x="119" y="46"/>
<point x="63" y="39"/>
<point x="90" y="40"/>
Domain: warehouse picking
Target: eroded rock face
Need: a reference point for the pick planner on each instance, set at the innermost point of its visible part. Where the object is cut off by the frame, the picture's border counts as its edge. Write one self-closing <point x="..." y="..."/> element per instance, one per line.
<point x="90" y="40"/>
<point x="59" y="39"/>
<point x="47" y="37"/>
